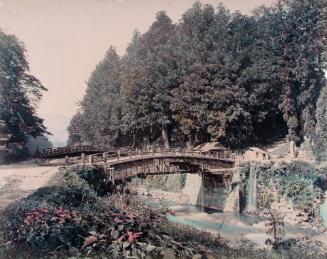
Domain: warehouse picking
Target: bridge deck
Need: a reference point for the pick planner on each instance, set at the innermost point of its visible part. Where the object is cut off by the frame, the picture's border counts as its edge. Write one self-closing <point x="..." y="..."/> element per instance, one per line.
<point x="174" y="155"/>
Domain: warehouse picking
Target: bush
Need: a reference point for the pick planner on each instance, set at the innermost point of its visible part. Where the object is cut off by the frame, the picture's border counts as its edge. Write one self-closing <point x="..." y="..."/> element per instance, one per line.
<point x="298" y="181"/>
<point x="300" y="248"/>
<point x="83" y="177"/>
<point x="50" y="217"/>
<point x="39" y="223"/>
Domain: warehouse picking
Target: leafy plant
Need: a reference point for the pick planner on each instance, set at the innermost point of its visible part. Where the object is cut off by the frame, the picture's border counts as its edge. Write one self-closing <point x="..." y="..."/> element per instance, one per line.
<point x="275" y="226"/>
<point x="300" y="182"/>
<point x="90" y="178"/>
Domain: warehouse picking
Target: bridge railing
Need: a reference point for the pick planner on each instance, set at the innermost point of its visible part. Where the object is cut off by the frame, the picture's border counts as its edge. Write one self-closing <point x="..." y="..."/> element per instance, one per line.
<point x="139" y="153"/>
<point x="129" y="154"/>
<point x="75" y="149"/>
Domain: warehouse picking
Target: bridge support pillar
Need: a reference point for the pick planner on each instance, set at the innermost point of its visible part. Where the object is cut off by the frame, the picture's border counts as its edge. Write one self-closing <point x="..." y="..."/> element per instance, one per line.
<point x="228" y="183"/>
<point x="111" y="175"/>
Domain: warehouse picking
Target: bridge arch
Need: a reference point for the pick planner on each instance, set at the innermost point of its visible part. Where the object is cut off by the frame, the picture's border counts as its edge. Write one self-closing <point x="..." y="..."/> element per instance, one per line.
<point x="142" y="164"/>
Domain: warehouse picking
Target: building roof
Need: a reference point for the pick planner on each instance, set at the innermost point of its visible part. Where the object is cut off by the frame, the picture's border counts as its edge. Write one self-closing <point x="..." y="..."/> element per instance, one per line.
<point x="259" y="150"/>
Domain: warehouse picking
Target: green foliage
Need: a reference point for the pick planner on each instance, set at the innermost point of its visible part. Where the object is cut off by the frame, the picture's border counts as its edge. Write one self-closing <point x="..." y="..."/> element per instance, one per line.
<point x="300" y="248"/>
<point x="303" y="28"/>
<point x="20" y="92"/>
<point x="275" y="226"/>
<point x="99" y="117"/>
<point x="300" y="182"/>
<point x="320" y="136"/>
<point x="89" y="178"/>
<point x="59" y="220"/>
<point x="214" y="76"/>
<point x="48" y="218"/>
<point x="38" y="144"/>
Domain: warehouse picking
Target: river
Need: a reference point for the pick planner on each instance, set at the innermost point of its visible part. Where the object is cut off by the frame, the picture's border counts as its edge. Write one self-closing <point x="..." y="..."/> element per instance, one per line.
<point x="230" y="226"/>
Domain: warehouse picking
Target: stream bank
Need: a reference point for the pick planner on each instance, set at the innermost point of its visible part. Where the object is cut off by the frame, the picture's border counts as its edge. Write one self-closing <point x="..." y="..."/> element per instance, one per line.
<point x="232" y="227"/>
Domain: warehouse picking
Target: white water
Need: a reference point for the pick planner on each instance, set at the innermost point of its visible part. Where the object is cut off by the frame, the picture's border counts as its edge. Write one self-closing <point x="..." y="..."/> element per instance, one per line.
<point x="201" y="192"/>
<point x="252" y="190"/>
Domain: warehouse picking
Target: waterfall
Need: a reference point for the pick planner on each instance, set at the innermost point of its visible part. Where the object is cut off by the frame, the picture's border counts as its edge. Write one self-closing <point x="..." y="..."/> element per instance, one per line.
<point x="323" y="210"/>
<point x="252" y="190"/>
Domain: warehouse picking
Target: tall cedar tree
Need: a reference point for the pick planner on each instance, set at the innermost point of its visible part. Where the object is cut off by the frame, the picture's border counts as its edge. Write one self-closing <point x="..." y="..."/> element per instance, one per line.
<point x="148" y="82"/>
<point x="20" y="92"/>
<point x="100" y="108"/>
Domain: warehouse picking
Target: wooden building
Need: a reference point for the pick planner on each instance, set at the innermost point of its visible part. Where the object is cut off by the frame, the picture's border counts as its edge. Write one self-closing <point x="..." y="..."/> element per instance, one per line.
<point x="257" y="154"/>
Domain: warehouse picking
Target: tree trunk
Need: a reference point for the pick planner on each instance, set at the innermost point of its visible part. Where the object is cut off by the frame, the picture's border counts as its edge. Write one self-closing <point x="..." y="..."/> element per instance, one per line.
<point x="165" y="137"/>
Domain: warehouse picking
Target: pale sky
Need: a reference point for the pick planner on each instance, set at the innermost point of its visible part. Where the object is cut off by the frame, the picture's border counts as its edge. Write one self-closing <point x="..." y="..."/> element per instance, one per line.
<point x="65" y="39"/>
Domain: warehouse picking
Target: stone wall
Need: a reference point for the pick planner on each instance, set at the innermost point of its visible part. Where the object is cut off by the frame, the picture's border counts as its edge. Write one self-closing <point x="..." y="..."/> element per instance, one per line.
<point x="212" y="195"/>
<point x="192" y="187"/>
<point x="232" y="204"/>
<point x="169" y="182"/>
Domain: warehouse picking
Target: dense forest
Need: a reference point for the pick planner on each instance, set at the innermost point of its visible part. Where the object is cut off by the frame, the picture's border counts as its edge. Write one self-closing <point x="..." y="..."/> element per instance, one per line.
<point x="216" y="75"/>
<point x="20" y="93"/>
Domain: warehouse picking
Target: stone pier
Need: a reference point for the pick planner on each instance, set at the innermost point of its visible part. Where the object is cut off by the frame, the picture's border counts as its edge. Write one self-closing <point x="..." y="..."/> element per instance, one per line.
<point x="214" y="191"/>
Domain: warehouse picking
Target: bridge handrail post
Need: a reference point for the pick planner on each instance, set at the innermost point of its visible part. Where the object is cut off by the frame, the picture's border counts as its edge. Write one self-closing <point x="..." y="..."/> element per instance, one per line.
<point x="83" y="158"/>
<point x="105" y="157"/>
<point x="66" y="160"/>
<point x="91" y="159"/>
<point x="118" y="155"/>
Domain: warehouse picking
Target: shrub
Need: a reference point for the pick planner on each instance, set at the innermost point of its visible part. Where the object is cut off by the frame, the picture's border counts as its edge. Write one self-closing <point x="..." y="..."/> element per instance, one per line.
<point x="300" y="248"/>
<point x="83" y="177"/>
<point x="298" y="181"/>
<point x="49" y="217"/>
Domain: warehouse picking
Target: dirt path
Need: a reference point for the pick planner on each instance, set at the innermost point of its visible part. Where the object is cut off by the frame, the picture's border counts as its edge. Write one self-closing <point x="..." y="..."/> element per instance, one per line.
<point x="19" y="180"/>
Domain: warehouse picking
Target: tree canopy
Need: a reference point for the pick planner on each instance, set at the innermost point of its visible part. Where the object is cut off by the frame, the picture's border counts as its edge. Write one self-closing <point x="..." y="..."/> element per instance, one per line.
<point x="214" y="76"/>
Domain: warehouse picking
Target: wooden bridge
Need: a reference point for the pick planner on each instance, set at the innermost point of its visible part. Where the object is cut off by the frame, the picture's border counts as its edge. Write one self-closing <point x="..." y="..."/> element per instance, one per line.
<point x="123" y="165"/>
